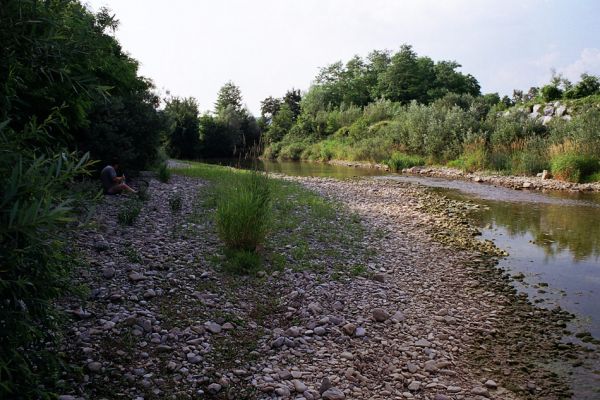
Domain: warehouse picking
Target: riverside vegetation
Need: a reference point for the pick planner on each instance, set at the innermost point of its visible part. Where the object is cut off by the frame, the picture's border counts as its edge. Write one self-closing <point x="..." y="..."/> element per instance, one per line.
<point x="72" y="95"/>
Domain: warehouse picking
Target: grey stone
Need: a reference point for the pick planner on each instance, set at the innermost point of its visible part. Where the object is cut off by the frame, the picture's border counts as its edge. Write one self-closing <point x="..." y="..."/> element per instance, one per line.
<point x="423" y="343"/>
<point x="213" y="327"/>
<point x="325" y="385"/>
<point x="380" y="277"/>
<point x="480" y="391"/>
<point x="360" y="332"/>
<point x="414" y="386"/>
<point x="380" y="315"/>
<point x="349" y="329"/>
<point x="333" y="394"/>
<point x="94" y="366"/>
<point x="214" y="388"/>
<point x="491" y="384"/>
<point x="299" y="386"/>
<point x="108" y="272"/>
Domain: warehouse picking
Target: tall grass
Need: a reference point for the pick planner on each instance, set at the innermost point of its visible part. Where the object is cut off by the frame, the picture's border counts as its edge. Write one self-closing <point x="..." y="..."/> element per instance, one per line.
<point x="399" y="161"/>
<point x="244" y="211"/>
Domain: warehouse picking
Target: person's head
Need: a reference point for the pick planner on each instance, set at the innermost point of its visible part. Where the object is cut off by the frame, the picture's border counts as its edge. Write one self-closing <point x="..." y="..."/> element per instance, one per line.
<point x="114" y="162"/>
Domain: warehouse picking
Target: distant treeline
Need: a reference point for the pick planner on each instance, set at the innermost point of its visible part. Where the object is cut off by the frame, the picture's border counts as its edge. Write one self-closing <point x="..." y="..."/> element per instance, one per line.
<point x="403" y="109"/>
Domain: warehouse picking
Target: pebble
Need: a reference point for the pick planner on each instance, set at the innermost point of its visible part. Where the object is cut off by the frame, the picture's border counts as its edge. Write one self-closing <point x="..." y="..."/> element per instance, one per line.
<point x="333" y="394"/>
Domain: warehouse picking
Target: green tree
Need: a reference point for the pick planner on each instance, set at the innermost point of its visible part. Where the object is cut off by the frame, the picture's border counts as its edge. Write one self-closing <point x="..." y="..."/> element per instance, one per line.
<point x="229" y="96"/>
<point x="184" y="131"/>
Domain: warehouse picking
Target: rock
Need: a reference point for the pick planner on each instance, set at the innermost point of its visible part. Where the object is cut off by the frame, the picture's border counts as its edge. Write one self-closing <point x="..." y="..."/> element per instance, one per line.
<point x="319" y="330"/>
<point x="149" y="293"/>
<point x="490" y="384"/>
<point x="94" y="366"/>
<point x="66" y="397"/>
<point x="560" y="111"/>
<point x="548" y="110"/>
<point x="380" y="315"/>
<point x="536" y="108"/>
<point x="414" y="386"/>
<point x="325" y="385"/>
<point x="283" y="391"/>
<point x="136" y="276"/>
<point x="347" y="355"/>
<point x="412" y="368"/>
<point x="360" y="332"/>
<point x="480" y="391"/>
<point x="214" y="388"/>
<point x="349" y="329"/>
<point x="454" y="389"/>
<point x="546" y="119"/>
<point x="278" y="342"/>
<point x="108" y="272"/>
<point x="526" y="185"/>
<point x="398" y="317"/>
<point x="193" y="358"/>
<point x="333" y="394"/>
<point x="440" y="396"/>
<point x="213" y="327"/>
<point x="545" y="174"/>
<point x="285" y="374"/>
<point x="566" y="117"/>
<point x="380" y="278"/>
<point x="228" y="326"/>
<point x="299" y="386"/>
<point x="423" y="343"/>
<point x="293" y="331"/>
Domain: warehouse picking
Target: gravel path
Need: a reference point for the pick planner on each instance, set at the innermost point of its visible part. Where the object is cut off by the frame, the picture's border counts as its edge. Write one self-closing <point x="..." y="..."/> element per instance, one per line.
<point x="426" y="321"/>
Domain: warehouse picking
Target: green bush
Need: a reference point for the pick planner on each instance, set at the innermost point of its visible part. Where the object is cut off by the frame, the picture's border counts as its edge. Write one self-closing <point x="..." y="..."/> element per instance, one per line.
<point x="551" y="93"/>
<point x="574" y="167"/>
<point x="36" y="258"/>
<point x="399" y="161"/>
<point x="175" y="202"/>
<point x="129" y="211"/>
<point x="243" y="212"/>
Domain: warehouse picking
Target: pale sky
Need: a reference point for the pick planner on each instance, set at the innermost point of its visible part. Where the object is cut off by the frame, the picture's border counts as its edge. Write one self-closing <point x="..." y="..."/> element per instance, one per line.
<point x="266" y="47"/>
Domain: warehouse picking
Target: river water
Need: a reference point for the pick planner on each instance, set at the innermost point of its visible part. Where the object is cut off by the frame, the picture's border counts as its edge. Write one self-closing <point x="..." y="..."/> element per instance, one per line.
<point x="553" y="239"/>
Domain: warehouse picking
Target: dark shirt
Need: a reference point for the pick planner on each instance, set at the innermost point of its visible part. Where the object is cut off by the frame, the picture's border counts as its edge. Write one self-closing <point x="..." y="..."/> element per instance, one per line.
<point x="107" y="177"/>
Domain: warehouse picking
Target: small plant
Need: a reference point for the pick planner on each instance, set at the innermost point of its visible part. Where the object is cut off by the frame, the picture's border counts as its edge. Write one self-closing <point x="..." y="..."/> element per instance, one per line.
<point x="242" y="261"/>
<point x="164" y="174"/>
<point x="129" y="212"/>
<point x="143" y="193"/>
<point x="175" y="202"/>
<point x="132" y="254"/>
<point x="243" y="212"/>
<point x="399" y="161"/>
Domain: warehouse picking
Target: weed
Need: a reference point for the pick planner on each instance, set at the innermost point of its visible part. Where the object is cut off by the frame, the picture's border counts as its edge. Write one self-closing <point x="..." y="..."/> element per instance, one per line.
<point x="399" y="161"/>
<point x="163" y="173"/>
<point x="176" y="202"/>
<point x="132" y="254"/>
<point x="129" y="211"/>
<point x="574" y="168"/>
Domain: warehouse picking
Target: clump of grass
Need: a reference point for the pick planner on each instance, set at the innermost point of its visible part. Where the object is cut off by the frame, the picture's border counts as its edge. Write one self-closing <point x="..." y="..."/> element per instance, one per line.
<point x="129" y="211"/>
<point x="132" y="254"/>
<point x="399" y="161"/>
<point x="574" y="167"/>
<point x="242" y="261"/>
<point x="175" y="202"/>
<point x="163" y="172"/>
<point x="143" y="193"/>
<point x="243" y="212"/>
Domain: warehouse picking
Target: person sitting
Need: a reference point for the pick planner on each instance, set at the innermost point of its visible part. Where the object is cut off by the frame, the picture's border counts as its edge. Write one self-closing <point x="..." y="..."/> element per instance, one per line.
<point x="112" y="183"/>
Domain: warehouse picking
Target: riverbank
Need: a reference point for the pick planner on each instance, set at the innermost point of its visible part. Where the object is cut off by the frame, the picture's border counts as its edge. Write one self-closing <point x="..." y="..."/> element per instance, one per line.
<point x="512" y="182"/>
<point x="406" y="305"/>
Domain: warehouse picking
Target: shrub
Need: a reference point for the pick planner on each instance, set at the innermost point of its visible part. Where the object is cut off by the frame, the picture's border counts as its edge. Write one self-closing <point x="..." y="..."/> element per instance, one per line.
<point x="573" y="167"/>
<point x="175" y="202"/>
<point x="243" y="212"/>
<point x="164" y="175"/>
<point x="36" y="204"/>
<point x="242" y="261"/>
<point x="129" y="211"/>
<point x="551" y="93"/>
<point x="399" y="161"/>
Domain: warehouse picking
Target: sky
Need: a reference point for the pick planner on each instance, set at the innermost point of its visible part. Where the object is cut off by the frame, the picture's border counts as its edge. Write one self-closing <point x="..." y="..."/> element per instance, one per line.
<point x="266" y="47"/>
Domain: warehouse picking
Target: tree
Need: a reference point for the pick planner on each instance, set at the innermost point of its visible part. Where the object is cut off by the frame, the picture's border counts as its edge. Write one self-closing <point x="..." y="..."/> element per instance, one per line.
<point x="293" y="98"/>
<point x="229" y="95"/>
<point x="551" y="93"/>
<point x="587" y="86"/>
<point x="269" y="107"/>
<point x="183" y="133"/>
<point x="281" y="124"/>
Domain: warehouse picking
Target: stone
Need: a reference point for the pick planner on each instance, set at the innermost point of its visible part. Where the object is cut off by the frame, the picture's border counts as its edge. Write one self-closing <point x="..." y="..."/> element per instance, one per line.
<point x="283" y="391"/>
<point x="454" y="389"/>
<point x="440" y="396"/>
<point x="560" y="111"/>
<point x="136" y="276"/>
<point x="293" y="331"/>
<point x="380" y="315"/>
<point x="94" y="366"/>
<point x="360" y="332"/>
<point x="526" y="185"/>
<point x="548" y="110"/>
<point x="414" y="386"/>
<point x="347" y="355"/>
<point x="423" y="343"/>
<point x="546" y="119"/>
<point x="545" y="174"/>
<point x="108" y="272"/>
<point x="150" y="293"/>
<point x="319" y="330"/>
<point x="299" y="386"/>
<point x="398" y="317"/>
<point x="333" y="394"/>
<point x="193" y="358"/>
<point x="480" y="391"/>
<point x="536" y="108"/>
<point x="214" y="388"/>
<point x="325" y="385"/>
<point x="412" y="368"/>
<point x="285" y="374"/>
<point x="349" y="329"/>
<point x="278" y="342"/>
<point x="380" y="277"/>
<point x="213" y="327"/>
<point x="490" y="384"/>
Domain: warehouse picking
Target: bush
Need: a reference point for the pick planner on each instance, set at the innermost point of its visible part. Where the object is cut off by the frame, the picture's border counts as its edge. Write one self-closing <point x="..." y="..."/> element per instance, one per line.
<point x="551" y="93"/>
<point x="129" y="211"/>
<point x="36" y="204"/>
<point x="474" y="157"/>
<point x="175" y="202"/>
<point x="243" y="212"/>
<point x="399" y="161"/>
<point x="163" y="173"/>
<point x="574" y="168"/>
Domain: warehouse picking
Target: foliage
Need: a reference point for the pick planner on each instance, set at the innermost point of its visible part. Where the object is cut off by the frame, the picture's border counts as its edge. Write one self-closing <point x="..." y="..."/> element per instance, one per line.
<point x="399" y="161"/>
<point x="176" y="202"/>
<point x="129" y="211"/>
<point x="243" y="212"/>
<point x="183" y="137"/>
<point x="574" y="167"/>
<point x="164" y="175"/>
<point x="36" y="204"/>
<point x="551" y="93"/>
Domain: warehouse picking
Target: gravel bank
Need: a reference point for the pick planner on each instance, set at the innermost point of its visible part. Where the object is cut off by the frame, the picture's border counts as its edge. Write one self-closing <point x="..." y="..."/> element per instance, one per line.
<point x="430" y="317"/>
